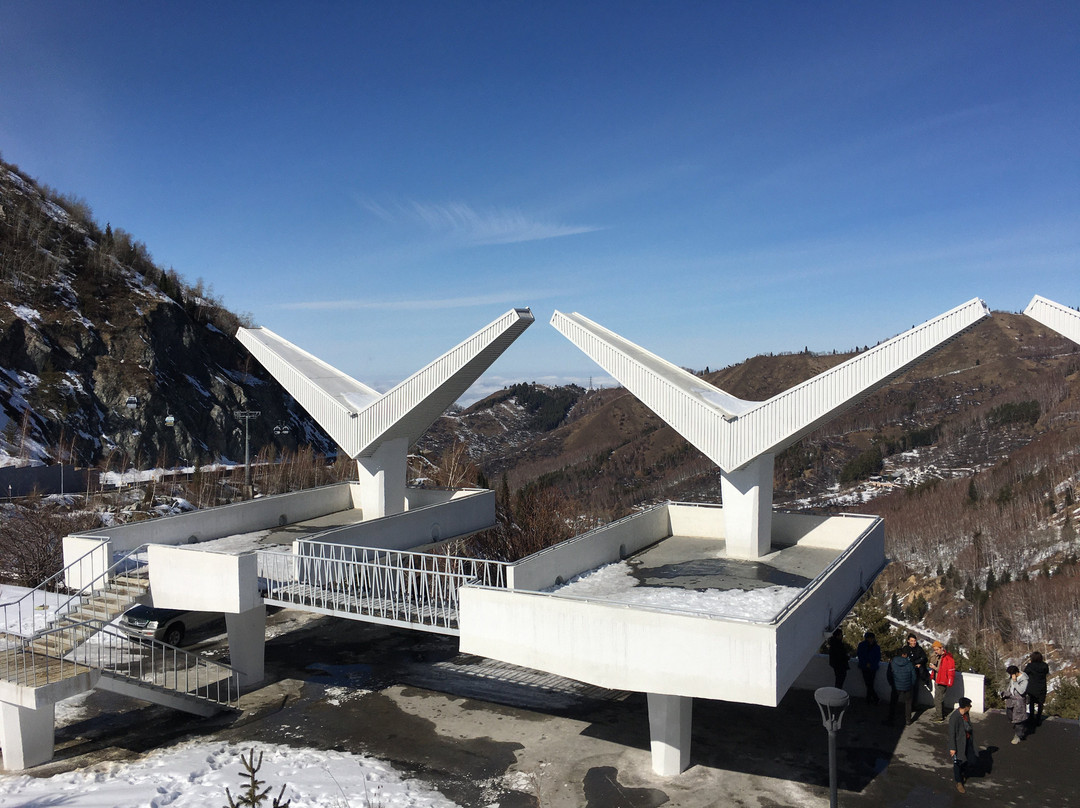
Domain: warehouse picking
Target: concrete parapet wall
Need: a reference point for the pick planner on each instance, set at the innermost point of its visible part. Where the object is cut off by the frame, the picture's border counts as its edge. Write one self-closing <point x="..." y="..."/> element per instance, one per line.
<point x="831" y="532"/>
<point x="817" y="673"/>
<point x="699" y="521"/>
<point x="824" y="603"/>
<point x="241" y="517"/>
<point x="621" y="647"/>
<point x="432" y="516"/>
<point x="590" y="550"/>
<point x="188" y="578"/>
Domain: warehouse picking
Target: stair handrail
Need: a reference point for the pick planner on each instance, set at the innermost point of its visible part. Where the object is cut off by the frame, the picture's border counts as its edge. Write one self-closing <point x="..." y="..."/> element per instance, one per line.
<point x="102" y="655"/>
<point x="104" y="575"/>
<point x="63" y="607"/>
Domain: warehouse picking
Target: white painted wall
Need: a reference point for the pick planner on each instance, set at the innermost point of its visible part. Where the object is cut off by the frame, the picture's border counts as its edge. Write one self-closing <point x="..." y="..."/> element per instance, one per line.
<point x="827" y="600"/>
<point x="633" y="648"/>
<point x="620" y="647"/>
<point x="450" y="515"/>
<point x="187" y="578"/>
<point x="590" y="550"/>
<point x="213" y="523"/>
<point x="91" y="558"/>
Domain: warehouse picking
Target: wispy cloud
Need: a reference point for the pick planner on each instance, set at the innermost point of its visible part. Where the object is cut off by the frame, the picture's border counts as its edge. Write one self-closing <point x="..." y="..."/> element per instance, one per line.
<point x="420" y="304"/>
<point x="460" y="220"/>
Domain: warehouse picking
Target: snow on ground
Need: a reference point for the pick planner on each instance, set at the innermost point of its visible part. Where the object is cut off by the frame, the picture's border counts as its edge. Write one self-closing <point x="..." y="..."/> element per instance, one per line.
<point x="23" y="613"/>
<point x="615" y="582"/>
<point x="197" y="773"/>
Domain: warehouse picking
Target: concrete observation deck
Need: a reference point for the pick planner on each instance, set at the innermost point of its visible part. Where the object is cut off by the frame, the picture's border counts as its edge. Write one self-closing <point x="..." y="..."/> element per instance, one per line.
<point x="654" y="603"/>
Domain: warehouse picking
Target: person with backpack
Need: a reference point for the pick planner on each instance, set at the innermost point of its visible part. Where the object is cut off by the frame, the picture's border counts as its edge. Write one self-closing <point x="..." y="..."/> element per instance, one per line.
<point x="902" y="678"/>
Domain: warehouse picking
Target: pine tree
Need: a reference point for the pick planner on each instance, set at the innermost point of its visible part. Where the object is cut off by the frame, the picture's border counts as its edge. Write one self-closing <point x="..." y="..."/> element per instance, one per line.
<point x="253" y="794"/>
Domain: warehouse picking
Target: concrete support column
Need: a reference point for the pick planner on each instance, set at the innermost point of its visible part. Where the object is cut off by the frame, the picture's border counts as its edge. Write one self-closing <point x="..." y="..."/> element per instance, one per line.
<point x="382" y="479"/>
<point x="26" y="734"/>
<point x="247" y="644"/>
<point x="669" y="732"/>
<point x="747" y="498"/>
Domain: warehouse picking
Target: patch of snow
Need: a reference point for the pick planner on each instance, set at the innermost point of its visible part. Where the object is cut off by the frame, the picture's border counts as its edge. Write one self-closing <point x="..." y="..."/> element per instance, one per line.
<point x="615" y="583"/>
<point x="197" y="773"/>
<point x="32" y="316"/>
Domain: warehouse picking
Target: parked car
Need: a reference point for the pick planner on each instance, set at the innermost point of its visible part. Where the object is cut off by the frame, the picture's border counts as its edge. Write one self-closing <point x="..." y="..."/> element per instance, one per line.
<point x="168" y="625"/>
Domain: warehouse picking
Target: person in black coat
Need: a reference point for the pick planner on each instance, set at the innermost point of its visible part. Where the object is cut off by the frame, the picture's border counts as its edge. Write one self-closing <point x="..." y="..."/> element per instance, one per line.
<point x="839" y="657"/>
<point x="961" y="742"/>
<point x="918" y="658"/>
<point x="1037" y="671"/>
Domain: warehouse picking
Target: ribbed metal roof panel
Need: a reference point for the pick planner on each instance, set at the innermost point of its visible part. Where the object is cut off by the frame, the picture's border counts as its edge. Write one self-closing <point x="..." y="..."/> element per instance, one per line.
<point x="1053" y="315"/>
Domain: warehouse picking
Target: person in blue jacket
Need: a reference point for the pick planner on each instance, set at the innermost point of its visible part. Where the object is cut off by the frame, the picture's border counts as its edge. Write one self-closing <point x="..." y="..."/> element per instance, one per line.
<point x="869" y="656"/>
<point x="902" y="678"/>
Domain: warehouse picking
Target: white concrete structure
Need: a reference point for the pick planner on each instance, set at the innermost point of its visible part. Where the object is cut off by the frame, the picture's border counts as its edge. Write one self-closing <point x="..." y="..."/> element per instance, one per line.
<point x="377" y="429"/>
<point x="210" y="560"/>
<point x="742" y="437"/>
<point x="676" y="652"/>
<point x="1053" y="315"/>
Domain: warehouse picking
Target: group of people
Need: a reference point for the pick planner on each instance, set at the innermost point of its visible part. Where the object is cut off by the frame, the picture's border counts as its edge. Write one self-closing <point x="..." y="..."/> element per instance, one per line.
<point x="911" y="667"/>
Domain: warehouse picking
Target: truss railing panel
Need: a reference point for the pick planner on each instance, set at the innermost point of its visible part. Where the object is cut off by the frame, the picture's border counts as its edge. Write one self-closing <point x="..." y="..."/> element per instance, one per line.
<point x="419" y="590"/>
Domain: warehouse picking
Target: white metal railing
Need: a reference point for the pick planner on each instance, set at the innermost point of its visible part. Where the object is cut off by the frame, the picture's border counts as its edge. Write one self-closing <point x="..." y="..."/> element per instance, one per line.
<point x="419" y="590"/>
<point x="61" y="653"/>
<point x="40" y="608"/>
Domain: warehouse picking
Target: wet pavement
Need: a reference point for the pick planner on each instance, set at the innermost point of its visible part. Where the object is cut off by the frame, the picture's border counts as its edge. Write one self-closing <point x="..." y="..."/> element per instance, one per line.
<point x="488" y="734"/>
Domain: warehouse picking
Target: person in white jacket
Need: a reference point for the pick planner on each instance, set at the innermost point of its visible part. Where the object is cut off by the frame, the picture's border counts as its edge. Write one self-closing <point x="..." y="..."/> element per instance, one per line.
<point x="1016" y="701"/>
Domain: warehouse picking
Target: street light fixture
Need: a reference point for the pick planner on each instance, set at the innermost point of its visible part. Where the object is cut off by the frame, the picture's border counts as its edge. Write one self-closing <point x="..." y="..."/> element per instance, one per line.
<point x="281" y="428"/>
<point x="832" y="701"/>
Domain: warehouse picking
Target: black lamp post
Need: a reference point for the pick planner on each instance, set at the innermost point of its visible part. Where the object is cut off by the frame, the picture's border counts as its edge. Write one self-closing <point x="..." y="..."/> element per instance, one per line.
<point x="832" y="701"/>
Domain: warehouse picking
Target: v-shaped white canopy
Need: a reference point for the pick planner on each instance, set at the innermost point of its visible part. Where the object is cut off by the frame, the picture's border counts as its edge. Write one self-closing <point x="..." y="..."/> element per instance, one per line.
<point x="358" y="417"/>
<point x="733" y="432"/>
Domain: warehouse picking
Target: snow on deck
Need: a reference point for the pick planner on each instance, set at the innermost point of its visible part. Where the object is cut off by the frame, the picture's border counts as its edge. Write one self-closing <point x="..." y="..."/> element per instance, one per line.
<point x="691" y="574"/>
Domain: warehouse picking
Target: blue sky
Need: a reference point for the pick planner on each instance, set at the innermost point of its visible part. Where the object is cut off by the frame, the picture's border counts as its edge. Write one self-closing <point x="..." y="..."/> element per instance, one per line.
<point x="377" y="181"/>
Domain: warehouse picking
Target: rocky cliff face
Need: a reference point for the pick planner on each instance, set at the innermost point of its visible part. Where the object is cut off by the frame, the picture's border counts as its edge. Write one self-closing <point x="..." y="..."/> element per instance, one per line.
<point x="88" y="323"/>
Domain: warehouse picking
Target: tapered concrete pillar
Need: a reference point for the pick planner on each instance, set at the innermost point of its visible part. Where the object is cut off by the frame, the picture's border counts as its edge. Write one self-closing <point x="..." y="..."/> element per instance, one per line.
<point x="26" y="734"/>
<point x="247" y="644"/>
<point x="382" y="479"/>
<point x="669" y="732"/>
<point x="747" y="497"/>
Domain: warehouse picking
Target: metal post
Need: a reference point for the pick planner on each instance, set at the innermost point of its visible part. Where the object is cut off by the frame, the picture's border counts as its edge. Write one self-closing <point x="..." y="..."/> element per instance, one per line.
<point x="246" y="416"/>
<point x="832" y="768"/>
<point x="832" y="702"/>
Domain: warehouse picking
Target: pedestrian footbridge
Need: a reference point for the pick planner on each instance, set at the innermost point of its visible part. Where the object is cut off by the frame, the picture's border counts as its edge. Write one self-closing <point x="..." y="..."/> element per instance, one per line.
<point x="411" y="590"/>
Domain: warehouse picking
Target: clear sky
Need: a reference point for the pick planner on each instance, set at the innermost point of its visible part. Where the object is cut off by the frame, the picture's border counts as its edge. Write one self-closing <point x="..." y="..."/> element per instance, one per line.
<point x="712" y="180"/>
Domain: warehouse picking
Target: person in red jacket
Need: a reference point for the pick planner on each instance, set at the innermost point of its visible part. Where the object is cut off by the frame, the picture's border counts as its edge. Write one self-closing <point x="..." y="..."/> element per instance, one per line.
<point x="943" y="672"/>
